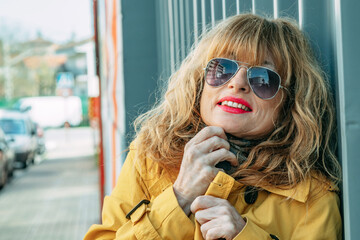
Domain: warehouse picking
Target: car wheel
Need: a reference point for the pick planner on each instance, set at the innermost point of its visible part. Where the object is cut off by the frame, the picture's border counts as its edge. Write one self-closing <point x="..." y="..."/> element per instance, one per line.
<point x="3" y="177"/>
<point x="24" y="165"/>
<point x="11" y="173"/>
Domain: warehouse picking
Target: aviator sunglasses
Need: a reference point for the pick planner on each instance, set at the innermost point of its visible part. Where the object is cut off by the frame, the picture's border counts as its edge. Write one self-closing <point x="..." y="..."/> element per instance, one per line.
<point x="264" y="82"/>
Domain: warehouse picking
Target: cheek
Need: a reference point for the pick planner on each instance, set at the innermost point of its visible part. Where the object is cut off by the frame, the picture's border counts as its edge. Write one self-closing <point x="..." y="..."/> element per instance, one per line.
<point x="205" y="101"/>
<point x="208" y="104"/>
<point x="204" y="107"/>
<point x="269" y="115"/>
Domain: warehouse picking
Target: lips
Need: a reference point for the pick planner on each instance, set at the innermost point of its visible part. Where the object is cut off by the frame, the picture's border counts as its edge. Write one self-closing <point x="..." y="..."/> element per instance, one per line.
<point x="234" y="105"/>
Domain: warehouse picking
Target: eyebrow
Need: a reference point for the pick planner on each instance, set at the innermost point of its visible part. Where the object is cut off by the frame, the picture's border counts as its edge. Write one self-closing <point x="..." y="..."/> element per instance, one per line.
<point x="269" y="63"/>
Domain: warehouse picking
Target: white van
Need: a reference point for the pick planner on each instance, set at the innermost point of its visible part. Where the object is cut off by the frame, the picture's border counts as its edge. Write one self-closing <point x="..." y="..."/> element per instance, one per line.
<point x="53" y="111"/>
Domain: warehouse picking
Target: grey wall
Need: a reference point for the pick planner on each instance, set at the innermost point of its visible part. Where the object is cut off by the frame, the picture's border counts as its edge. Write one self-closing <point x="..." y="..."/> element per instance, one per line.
<point x="348" y="52"/>
<point x="140" y="58"/>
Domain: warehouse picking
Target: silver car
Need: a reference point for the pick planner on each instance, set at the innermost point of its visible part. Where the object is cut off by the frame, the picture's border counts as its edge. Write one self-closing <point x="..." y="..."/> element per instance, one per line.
<point x="6" y="159"/>
<point x="21" y="130"/>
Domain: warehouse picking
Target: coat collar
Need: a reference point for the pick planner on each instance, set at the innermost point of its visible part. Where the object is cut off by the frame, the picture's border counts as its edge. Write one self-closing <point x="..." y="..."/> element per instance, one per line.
<point x="224" y="181"/>
<point x="302" y="192"/>
<point x="223" y="184"/>
<point x="299" y="193"/>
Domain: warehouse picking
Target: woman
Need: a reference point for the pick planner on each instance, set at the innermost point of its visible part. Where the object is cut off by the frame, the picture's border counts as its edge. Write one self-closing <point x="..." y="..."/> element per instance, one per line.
<point x="239" y="147"/>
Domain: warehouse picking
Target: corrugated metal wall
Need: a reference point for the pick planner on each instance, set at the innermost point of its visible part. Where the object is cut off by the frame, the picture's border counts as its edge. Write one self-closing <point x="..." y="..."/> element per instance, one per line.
<point x="157" y="35"/>
<point x="182" y="21"/>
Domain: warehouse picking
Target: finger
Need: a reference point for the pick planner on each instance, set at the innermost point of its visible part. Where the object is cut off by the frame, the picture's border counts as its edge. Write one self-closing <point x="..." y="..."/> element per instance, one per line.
<point x="215" y="233"/>
<point x="213" y="143"/>
<point x="224" y="213"/>
<point x="205" y="202"/>
<point x="204" y="228"/>
<point x="194" y="151"/>
<point x="208" y="132"/>
<point x="205" y="215"/>
<point x="209" y="214"/>
<point x="214" y="229"/>
<point x="220" y="155"/>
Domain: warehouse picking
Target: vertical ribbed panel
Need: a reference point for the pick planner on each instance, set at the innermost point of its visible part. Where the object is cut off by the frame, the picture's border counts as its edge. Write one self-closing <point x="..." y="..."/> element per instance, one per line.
<point x="347" y="19"/>
<point x="246" y="6"/>
<point x="189" y="26"/>
<point x="231" y="7"/>
<point x="264" y="7"/>
<point x="317" y="23"/>
<point x="288" y="8"/>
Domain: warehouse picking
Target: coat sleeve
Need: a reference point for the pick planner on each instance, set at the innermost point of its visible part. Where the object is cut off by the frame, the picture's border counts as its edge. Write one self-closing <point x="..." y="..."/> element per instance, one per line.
<point x="252" y="231"/>
<point x="162" y="218"/>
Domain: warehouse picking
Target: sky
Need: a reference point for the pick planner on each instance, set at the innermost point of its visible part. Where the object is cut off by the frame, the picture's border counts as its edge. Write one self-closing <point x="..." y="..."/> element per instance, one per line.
<point x="57" y="20"/>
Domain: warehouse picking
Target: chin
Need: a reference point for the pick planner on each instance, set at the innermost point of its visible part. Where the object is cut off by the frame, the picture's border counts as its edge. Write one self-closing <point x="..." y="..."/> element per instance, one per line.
<point x="229" y="127"/>
<point x="236" y="134"/>
<point x="231" y="130"/>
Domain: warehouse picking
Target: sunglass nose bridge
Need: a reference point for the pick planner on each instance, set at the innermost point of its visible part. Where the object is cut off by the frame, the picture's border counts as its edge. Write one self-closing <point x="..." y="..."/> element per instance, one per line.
<point x="239" y="70"/>
<point x="242" y="66"/>
<point x="240" y="63"/>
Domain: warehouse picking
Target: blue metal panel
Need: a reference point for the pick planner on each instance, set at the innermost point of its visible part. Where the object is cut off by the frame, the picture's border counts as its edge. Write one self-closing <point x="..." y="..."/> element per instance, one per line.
<point x="176" y="35"/>
<point x="288" y="8"/>
<point x="140" y="58"/>
<point x="182" y="29"/>
<point x="198" y="21"/>
<point x="317" y="23"/>
<point x="349" y="110"/>
<point x="206" y="8"/>
<point x="230" y="7"/>
<point x="163" y="41"/>
<point x="189" y="25"/>
<point x="264" y="8"/>
<point x="246" y="6"/>
<point x="218" y="10"/>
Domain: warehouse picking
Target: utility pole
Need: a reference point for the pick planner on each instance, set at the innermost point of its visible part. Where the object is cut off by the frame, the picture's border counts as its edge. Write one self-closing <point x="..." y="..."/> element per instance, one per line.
<point x="9" y="86"/>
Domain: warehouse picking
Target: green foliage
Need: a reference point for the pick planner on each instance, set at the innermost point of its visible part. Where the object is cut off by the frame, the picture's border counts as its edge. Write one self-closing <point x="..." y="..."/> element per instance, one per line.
<point x="7" y="103"/>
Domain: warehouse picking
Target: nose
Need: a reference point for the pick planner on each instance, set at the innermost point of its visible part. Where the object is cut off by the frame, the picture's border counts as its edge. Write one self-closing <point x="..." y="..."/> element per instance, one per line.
<point x="239" y="82"/>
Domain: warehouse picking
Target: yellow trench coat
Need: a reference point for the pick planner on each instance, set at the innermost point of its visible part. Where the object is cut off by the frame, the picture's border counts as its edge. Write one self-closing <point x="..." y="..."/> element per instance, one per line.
<point x="308" y="212"/>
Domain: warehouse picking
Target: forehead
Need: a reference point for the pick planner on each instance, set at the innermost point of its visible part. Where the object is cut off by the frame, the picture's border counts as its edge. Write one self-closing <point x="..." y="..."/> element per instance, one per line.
<point x="262" y="58"/>
<point x="243" y="50"/>
<point x="247" y="45"/>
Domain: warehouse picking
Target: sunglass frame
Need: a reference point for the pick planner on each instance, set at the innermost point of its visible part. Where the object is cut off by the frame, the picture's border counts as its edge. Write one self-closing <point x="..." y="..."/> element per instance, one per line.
<point x="247" y="75"/>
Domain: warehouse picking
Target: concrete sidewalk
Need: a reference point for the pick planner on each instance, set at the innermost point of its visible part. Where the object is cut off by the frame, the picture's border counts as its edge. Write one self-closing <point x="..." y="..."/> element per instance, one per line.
<point x="57" y="199"/>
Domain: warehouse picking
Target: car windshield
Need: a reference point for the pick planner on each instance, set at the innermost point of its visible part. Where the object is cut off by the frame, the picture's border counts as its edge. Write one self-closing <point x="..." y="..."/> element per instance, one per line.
<point x="12" y="126"/>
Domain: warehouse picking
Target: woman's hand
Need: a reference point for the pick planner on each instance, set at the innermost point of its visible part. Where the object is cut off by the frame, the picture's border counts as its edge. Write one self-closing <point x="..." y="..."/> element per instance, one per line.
<point x="197" y="170"/>
<point x="217" y="217"/>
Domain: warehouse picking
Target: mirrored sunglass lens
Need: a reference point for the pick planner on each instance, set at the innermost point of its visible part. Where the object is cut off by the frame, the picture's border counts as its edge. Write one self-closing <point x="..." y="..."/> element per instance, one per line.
<point x="219" y="71"/>
<point x="264" y="82"/>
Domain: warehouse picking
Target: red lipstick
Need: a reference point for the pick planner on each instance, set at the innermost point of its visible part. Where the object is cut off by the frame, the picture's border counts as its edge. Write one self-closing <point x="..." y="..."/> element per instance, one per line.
<point x="234" y="110"/>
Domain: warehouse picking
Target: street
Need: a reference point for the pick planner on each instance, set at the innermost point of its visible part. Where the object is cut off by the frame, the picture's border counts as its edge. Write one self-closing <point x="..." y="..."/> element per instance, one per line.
<point x="58" y="197"/>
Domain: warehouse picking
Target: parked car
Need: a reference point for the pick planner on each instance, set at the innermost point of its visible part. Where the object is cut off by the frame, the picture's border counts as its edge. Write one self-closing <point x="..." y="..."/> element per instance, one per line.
<point x="18" y="126"/>
<point x="6" y="159"/>
<point x="3" y="170"/>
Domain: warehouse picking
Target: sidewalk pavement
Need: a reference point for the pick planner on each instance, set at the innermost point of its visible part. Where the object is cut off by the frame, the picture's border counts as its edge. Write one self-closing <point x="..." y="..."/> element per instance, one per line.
<point x="56" y="199"/>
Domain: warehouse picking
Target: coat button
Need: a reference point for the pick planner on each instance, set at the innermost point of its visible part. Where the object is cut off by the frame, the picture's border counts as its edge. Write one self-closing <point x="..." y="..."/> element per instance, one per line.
<point x="274" y="237"/>
<point x="250" y="195"/>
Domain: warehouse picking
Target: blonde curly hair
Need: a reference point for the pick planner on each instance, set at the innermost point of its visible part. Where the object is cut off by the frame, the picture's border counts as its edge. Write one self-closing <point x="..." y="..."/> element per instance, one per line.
<point x="301" y="144"/>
